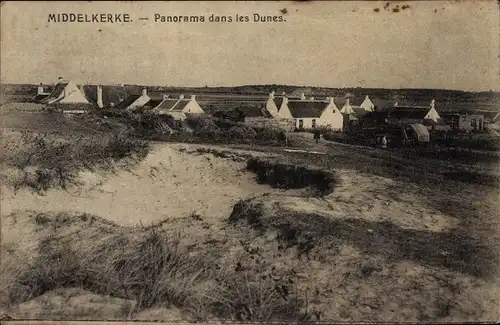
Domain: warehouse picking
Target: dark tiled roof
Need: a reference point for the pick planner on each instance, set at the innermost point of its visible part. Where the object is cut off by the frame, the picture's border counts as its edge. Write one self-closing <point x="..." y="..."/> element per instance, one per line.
<point x="489" y="115"/>
<point x="110" y="94"/>
<point x="255" y="111"/>
<point x="155" y="95"/>
<point x="359" y="111"/>
<point x="305" y="109"/>
<point x="58" y="90"/>
<point x="356" y="101"/>
<point x="377" y="116"/>
<point x="408" y="112"/>
<point x="181" y="104"/>
<point x="128" y="101"/>
<point x="40" y="97"/>
<point x="153" y="103"/>
<point x="167" y="104"/>
<point x="278" y="101"/>
<point x="382" y="105"/>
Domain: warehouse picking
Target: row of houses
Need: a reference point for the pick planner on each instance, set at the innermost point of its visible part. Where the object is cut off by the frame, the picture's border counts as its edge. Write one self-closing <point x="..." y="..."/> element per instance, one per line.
<point x="307" y="113"/>
<point x="299" y="112"/>
<point x="67" y="96"/>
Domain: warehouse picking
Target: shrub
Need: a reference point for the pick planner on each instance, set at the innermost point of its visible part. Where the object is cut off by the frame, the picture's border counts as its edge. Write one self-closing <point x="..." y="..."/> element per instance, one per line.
<point x="252" y="296"/>
<point x="270" y="133"/>
<point x="153" y="269"/>
<point x="291" y="176"/>
<point x="225" y="124"/>
<point x="242" y="132"/>
<point x="335" y="136"/>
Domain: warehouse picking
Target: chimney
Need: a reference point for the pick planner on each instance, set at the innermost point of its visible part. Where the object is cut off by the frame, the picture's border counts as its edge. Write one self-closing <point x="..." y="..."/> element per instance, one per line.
<point x="311" y="98"/>
<point x="60" y="78"/>
<point x="396" y="104"/>
<point x="271" y="95"/>
<point x="302" y="96"/>
<point x="327" y="99"/>
<point x="181" y="96"/>
<point x="165" y="96"/>
<point x="331" y="99"/>
<point x="285" y="100"/>
<point x="144" y="92"/>
<point x="193" y="97"/>
<point x="348" y="101"/>
<point x="112" y="104"/>
<point x="99" y="96"/>
<point x="283" y="93"/>
<point x="40" y="89"/>
<point x="433" y="104"/>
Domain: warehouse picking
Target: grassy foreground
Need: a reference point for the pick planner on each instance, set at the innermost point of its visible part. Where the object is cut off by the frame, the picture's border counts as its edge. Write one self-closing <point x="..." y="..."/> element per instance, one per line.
<point x="41" y="161"/>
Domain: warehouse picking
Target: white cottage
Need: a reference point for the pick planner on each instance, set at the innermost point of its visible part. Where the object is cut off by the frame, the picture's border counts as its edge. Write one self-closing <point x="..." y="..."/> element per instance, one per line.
<point x="415" y="114"/>
<point x="178" y="107"/>
<point x="311" y="113"/>
<point x="65" y="92"/>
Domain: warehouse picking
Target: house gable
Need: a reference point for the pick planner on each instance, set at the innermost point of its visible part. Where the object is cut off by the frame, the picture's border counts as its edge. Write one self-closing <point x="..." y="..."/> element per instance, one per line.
<point x="193" y="107"/>
<point x="284" y="111"/>
<point x="271" y="107"/>
<point x="74" y="97"/>
<point x="347" y="108"/>
<point x="432" y="114"/>
<point x="367" y="104"/>
<point x="65" y="92"/>
<point x="331" y="117"/>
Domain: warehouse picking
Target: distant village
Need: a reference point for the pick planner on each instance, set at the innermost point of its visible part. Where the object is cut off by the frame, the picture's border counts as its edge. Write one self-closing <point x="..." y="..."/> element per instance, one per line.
<point x="291" y="112"/>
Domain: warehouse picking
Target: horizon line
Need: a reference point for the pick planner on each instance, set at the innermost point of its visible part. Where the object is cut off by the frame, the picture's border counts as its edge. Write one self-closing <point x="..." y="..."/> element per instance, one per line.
<point x="252" y="85"/>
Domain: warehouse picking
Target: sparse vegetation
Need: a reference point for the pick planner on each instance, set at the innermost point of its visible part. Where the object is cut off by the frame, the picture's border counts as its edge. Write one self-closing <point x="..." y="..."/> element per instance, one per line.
<point x="291" y="176"/>
<point x="43" y="160"/>
<point x="150" y="267"/>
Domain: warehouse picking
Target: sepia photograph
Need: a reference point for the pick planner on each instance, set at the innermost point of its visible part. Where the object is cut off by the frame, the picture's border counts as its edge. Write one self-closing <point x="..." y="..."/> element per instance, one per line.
<point x="250" y="161"/>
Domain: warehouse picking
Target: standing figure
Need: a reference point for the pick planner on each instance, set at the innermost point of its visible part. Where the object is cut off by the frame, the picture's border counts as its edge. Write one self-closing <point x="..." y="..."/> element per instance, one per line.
<point x="384" y="142"/>
<point x="317" y="135"/>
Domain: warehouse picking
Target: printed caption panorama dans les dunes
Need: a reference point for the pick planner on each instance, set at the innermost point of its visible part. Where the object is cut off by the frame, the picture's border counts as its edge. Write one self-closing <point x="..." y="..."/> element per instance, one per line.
<point x="159" y="18"/>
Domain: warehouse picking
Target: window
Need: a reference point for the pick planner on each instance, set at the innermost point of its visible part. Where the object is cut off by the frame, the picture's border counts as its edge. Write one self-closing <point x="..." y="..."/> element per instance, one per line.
<point x="473" y="124"/>
<point x="313" y="122"/>
<point x="301" y="124"/>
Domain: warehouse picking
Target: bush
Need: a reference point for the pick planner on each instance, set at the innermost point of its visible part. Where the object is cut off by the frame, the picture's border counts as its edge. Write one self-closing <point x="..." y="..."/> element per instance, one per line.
<point x="242" y="132"/>
<point x="225" y="124"/>
<point x="292" y="176"/>
<point x="335" y="136"/>
<point x="252" y="296"/>
<point x="270" y="133"/>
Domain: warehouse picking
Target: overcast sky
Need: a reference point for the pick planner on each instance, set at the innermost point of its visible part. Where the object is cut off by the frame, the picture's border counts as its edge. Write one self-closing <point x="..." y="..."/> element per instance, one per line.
<point x="453" y="45"/>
